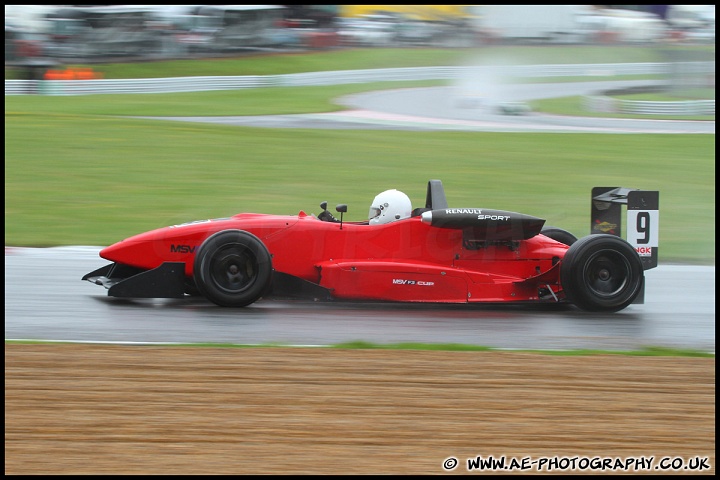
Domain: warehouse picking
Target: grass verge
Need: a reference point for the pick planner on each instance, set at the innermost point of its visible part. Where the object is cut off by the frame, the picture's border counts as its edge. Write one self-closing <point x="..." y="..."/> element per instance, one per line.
<point x="449" y="347"/>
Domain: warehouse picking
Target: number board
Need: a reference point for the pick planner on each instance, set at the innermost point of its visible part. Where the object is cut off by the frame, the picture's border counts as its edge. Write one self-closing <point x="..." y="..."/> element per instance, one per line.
<point x="643" y="219"/>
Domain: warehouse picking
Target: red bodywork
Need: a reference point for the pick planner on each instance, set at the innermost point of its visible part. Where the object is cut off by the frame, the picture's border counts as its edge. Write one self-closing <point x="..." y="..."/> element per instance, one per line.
<point x="432" y="254"/>
<point x="408" y="260"/>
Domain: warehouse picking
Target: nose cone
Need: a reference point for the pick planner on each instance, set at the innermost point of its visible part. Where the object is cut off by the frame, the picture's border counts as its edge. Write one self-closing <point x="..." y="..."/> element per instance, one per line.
<point x="142" y="250"/>
<point x="118" y="252"/>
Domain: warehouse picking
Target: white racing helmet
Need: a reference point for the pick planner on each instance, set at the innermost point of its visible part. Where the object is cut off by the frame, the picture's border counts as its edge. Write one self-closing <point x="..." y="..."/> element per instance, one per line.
<point x="389" y="206"/>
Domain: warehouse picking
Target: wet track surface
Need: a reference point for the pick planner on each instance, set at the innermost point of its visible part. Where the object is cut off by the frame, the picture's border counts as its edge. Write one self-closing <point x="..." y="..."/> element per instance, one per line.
<point x="441" y="108"/>
<point x="45" y="299"/>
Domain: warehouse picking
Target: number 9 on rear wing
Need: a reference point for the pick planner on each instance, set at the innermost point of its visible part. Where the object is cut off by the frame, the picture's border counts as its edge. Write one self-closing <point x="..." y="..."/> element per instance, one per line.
<point x="642" y="218"/>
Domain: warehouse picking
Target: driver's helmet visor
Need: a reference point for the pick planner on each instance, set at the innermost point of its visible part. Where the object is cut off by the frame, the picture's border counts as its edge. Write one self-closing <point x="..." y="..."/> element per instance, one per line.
<point x="375" y="211"/>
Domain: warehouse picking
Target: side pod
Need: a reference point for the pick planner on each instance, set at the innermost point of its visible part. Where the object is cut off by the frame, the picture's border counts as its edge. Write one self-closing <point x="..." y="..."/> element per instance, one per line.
<point x="290" y="286"/>
<point x="165" y="281"/>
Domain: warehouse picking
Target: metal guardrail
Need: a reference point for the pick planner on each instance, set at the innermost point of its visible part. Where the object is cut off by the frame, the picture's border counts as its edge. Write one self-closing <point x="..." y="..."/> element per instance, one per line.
<point x="145" y="85"/>
<point x="208" y="83"/>
<point x="638" y="107"/>
<point x="198" y="84"/>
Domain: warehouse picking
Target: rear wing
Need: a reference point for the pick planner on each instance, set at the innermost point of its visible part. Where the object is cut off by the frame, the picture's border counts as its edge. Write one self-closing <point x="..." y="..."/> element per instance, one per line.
<point x="642" y="218"/>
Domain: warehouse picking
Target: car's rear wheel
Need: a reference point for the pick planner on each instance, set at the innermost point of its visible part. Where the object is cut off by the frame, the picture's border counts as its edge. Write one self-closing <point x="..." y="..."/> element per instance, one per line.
<point x="601" y="273"/>
<point x="232" y="268"/>
<point x="559" y="235"/>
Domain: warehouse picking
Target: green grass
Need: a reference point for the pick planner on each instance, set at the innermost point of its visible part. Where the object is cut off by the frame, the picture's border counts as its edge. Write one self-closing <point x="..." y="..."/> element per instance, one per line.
<point x="445" y="347"/>
<point x="92" y="180"/>
<point x="459" y="347"/>
<point x="685" y="95"/>
<point x="77" y="173"/>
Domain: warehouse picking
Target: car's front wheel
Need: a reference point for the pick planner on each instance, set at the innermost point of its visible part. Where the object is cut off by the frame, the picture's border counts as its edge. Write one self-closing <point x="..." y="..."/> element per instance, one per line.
<point x="232" y="268"/>
<point x="601" y="273"/>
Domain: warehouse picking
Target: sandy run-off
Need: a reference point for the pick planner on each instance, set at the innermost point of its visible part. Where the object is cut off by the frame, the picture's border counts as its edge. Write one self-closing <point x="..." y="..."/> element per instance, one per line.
<point x="104" y="409"/>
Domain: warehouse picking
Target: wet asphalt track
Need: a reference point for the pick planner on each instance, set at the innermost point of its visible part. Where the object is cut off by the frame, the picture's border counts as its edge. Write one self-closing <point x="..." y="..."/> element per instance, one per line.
<point x="45" y="298"/>
<point x="444" y="108"/>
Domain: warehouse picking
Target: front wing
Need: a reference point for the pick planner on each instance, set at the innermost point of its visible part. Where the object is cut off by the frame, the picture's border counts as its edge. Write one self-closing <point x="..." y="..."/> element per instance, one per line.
<point x="165" y="281"/>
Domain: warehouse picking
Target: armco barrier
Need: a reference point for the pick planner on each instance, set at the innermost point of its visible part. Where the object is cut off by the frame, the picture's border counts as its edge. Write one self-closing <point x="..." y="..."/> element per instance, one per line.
<point x="199" y="84"/>
<point x="602" y="104"/>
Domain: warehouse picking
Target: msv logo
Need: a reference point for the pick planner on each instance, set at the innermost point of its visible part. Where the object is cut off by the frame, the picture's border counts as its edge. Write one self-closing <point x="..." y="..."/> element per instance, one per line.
<point x="402" y="281"/>
<point x="182" y="249"/>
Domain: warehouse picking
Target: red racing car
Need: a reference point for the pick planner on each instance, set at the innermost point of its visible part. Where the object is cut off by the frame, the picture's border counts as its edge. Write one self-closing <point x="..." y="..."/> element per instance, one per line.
<point x="433" y="254"/>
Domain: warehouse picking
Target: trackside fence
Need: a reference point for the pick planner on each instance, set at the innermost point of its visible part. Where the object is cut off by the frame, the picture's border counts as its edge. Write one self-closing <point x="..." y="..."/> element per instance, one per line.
<point x="209" y="83"/>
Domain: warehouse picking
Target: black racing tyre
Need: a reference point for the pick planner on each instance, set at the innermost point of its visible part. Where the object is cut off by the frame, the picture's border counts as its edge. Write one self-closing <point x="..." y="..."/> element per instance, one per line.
<point x="232" y="268"/>
<point x="559" y="235"/>
<point x="601" y="273"/>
